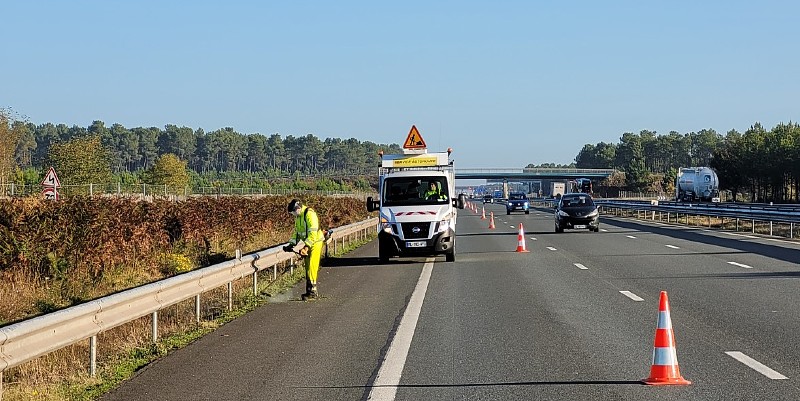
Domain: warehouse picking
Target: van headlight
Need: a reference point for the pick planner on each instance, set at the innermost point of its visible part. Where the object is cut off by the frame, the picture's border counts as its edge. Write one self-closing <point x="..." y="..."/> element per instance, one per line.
<point x="386" y="227"/>
<point x="442" y="226"/>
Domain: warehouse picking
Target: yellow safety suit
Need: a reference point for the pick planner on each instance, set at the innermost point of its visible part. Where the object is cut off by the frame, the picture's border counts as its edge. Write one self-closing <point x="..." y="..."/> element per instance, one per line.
<point x="306" y="229"/>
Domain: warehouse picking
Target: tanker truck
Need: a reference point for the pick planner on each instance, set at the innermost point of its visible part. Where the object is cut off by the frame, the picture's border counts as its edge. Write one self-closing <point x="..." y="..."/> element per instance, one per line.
<point x="697" y="184"/>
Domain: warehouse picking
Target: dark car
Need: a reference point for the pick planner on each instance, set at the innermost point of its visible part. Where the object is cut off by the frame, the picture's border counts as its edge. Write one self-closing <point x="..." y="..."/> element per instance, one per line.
<point x="487" y="199"/>
<point x="517" y="201"/>
<point x="577" y="211"/>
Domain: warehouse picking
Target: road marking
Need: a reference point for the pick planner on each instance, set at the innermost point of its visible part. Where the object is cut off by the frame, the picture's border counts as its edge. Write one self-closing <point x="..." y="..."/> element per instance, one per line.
<point x="661" y="224"/>
<point x="756" y="365"/>
<point x="551" y="248"/>
<point x="384" y="387"/>
<point x="533" y="238"/>
<point x="580" y="266"/>
<point x="604" y="230"/>
<point x="740" y="265"/>
<point x="672" y="246"/>
<point x="631" y="296"/>
<point x="512" y="226"/>
<point x="631" y="236"/>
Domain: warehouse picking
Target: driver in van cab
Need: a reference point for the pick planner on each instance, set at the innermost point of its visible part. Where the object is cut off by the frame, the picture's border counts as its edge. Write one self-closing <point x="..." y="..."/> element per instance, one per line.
<point x="434" y="192"/>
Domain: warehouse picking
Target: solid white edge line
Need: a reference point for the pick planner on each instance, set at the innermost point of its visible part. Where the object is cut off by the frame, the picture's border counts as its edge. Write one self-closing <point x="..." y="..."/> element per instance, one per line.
<point x="756" y="365"/>
<point x="384" y="387"/>
<point x="672" y="246"/>
<point x="631" y="236"/>
<point x="580" y="266"/>
<point x="631" y="296"/>
<point x="740" y="265"/>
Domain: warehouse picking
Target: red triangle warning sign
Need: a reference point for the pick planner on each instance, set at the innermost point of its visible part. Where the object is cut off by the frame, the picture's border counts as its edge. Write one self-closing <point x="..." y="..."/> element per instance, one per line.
<point x="414" y="140"/>
<point x="51" y="179"/>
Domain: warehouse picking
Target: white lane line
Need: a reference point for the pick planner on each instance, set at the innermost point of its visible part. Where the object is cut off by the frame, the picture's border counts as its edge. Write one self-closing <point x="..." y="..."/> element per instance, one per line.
<point x="533" y="238"/>
<point x="512" y="226"/>
<point x="756" y="365"/>
<point x="631" y="236"/>
<point x="580" y="266"/>
<point x="631" y="295"/>
<point x="672" y="246"/>
<point x="551" y="248"/>
<point x="740" y="265"/>
<point x="604" y="230"/>
<point x="384" y="387"/>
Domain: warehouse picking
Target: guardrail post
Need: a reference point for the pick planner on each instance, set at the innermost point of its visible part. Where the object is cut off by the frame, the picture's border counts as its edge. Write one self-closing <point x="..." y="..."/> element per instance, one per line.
<point x="754" y="226"/>
<point x="274" y="272"/>
<point x="737" y="224"/>
<point x="197" y="308"/>
<point x="709" y="221"/>
<point x="770" y="227"/>
<point x="230" y="296"/>
<point x="791" y="230"/>
<point x="92" y="356"/>
<point x="154" y="327"/>
<point x="255" y="283"/>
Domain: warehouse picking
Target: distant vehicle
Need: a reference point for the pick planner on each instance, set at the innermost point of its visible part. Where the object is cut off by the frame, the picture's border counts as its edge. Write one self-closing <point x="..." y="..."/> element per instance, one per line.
<point x="487" y="199"/>
<point x="697" y="184"/>
<point x="583" y="185"/>
<point x="556" y="189"/>
<point x="577" y="211"/>
<point x="517" y="201"/>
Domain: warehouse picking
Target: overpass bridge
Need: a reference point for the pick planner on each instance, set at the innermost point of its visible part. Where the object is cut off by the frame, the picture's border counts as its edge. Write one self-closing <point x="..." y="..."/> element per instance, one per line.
<point x="525" y="174"/>
<point x="530" y="178"/>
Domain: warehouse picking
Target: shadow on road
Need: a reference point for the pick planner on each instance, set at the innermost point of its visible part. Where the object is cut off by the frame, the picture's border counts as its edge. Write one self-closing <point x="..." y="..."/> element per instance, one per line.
<point x="528" y="383"/>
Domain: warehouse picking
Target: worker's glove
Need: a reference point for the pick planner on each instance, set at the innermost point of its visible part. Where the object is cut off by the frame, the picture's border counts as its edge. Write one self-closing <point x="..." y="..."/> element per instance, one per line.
<point x="304" y="251"/>
<point x="288" y="248"/>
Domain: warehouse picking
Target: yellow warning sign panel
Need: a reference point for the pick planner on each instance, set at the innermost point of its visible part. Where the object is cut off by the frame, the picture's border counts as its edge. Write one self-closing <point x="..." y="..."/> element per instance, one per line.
<point x="414" y="140"/>
<point x="419" y="161"/>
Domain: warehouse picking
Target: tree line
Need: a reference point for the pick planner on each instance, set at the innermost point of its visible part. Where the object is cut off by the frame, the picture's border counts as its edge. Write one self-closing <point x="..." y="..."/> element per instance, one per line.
<point x="222" y="150"/>
<point x="760" y="165"/>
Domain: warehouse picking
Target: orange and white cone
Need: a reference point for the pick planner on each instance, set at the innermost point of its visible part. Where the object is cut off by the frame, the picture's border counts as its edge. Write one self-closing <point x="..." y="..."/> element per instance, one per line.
<point x="664" y="368"/>
<point x="491" y="220"/>
<point x="483" y="213"/>
<point x="521" y="240"/>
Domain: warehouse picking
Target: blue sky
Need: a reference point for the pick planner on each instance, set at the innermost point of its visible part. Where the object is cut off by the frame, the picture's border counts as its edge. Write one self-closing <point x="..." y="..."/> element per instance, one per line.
<point x="504" y="83"/>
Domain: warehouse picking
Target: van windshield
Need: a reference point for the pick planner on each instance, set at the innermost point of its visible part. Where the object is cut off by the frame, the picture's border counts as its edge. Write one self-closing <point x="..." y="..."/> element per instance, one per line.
<point x="401" y="191"/>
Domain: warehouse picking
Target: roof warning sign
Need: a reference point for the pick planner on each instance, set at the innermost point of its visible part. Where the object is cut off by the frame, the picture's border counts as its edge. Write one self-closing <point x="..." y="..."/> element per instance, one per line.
<point x="414" y="140"/>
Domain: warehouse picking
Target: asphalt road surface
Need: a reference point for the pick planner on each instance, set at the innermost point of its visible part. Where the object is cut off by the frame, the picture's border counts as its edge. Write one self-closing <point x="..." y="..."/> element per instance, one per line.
<point x="573" y="319"/>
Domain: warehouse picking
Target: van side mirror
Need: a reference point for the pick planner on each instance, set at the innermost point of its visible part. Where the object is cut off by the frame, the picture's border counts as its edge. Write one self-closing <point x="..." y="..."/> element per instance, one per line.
<point x="460" y="202"/>
<point x="372" y="205"/>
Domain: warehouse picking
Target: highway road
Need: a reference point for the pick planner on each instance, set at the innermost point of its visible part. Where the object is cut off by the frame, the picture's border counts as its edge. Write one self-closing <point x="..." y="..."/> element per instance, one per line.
<point x="573" y="319"/>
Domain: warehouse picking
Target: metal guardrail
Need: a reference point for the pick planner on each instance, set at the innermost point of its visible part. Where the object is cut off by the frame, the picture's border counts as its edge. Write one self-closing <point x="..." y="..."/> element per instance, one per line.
<point x="32" y="338"/>
<point x="784" y="214"/>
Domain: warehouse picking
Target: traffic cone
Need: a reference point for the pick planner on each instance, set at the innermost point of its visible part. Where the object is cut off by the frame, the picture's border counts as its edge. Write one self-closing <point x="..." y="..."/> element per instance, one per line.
<point x="521" y="240"/>
<point x="491" y="220"/>
<point x="664" y="368"/>
<point x="483" y="213"/>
